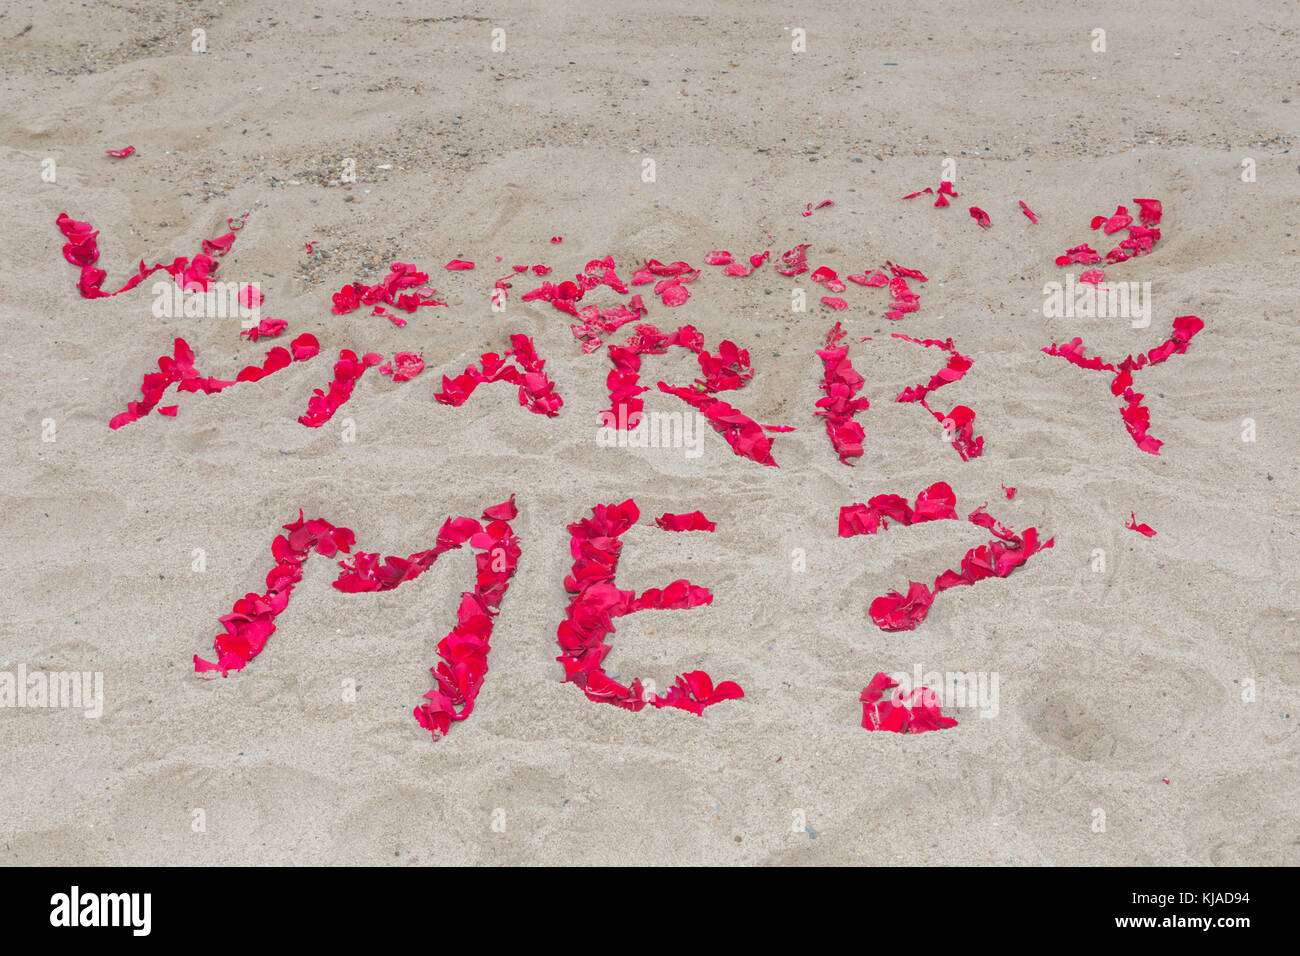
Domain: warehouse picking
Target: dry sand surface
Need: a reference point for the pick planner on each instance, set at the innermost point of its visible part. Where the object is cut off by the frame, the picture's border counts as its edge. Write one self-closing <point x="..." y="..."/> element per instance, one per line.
<point x="1125" y="691"/>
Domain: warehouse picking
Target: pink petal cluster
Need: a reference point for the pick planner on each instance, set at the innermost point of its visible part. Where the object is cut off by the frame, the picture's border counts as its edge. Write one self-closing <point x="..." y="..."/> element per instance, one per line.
<point x="841" y="403"/>
<point x="1140" y="241"/>
<point x="912" y="713"/>
<point x="347" y="372"/>
<point x="405" y="288"/>
<point x="403" y="367"/>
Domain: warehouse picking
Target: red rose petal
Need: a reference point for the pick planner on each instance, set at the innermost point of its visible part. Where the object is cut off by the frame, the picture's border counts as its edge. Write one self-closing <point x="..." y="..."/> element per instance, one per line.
<point x="1142" y="529"/>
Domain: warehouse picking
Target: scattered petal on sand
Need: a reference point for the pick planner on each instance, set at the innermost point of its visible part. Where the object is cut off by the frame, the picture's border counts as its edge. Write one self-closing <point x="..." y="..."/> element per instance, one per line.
<point x="267" y="328"/>
<point x="536" y="390"/>
<point x="695" y="521"/>
<point x="1142" y="529"/>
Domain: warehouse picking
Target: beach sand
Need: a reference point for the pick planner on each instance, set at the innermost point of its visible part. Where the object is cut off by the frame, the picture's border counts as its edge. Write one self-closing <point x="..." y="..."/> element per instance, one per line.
<point x="1160" y="692"/>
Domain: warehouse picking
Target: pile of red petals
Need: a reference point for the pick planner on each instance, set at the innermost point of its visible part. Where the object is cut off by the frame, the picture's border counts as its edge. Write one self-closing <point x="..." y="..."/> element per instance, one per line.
<point x="1002" y="555"/>
<point x="793" y="261"/>
<point x="1141" y="239"/>
<point x="598" y="320"/>
<point x="841" y="385"/>
<point x="733" y="268"/>
<point x="669" y="280"/>
<point x="122" y="153"/>
<point x="595" y="545"/>
<point x="905" y="300"/>
<point x="82" y="249"/>
<point x="1137" y="417"/>
<point x="463" y="652"/>
<point x="403" y="367"/>
<point x="911" y="713"/>
<point x="536" y="391"/>
<point x="829" y="278"/>
<point x="405" y="288"/>
<point x="178" y="369"/>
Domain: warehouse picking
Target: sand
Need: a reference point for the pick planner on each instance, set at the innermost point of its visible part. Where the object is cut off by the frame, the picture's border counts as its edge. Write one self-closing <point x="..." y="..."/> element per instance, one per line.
<point x="1125" y="692"/>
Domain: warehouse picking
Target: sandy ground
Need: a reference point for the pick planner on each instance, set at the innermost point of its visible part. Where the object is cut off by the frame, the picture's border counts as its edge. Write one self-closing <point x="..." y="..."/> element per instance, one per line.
<point x="1120" y="691"/>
